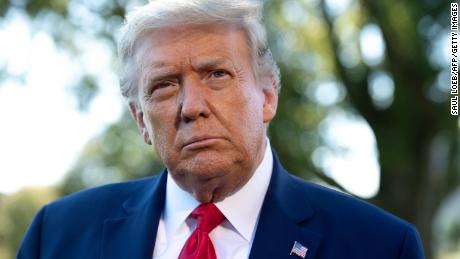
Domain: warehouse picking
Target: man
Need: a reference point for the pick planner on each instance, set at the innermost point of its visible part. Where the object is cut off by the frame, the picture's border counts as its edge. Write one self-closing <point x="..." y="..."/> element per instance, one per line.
<point x="202" y="87"/>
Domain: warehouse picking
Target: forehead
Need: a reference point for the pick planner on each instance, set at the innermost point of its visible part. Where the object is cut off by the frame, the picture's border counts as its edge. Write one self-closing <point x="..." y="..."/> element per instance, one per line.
<point x="190" y="43"/>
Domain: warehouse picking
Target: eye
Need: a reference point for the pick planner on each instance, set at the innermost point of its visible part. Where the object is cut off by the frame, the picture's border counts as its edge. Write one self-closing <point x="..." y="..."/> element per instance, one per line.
<point x="159" y="87"/>
<point x="219" y="73"/>
<point x="163" y="84"/>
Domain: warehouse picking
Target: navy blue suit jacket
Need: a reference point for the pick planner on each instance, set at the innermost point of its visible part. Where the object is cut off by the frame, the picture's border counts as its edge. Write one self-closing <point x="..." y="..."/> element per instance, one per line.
<point x="121" y="220"/>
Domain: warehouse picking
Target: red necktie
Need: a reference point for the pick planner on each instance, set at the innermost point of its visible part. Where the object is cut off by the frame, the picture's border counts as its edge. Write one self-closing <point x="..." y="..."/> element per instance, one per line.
<point x="199" y="245"/>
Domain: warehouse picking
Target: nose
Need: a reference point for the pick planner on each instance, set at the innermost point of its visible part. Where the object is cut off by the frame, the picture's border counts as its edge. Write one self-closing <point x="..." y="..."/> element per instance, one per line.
<point x="194" y="102"/>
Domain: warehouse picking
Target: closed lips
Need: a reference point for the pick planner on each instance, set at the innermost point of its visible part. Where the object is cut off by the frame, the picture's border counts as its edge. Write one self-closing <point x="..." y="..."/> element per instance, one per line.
<point x="198" y="139"/>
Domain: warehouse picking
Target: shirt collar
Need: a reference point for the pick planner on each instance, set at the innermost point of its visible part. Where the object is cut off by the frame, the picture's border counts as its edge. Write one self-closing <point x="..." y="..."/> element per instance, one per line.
<point x="178" y="206"/>
<point x="241" y="208"/>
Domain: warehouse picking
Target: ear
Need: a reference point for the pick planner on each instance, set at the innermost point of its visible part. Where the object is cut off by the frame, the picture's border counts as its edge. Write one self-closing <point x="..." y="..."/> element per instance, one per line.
<point x="270" y="101"/>
<point x="138" y="116"/>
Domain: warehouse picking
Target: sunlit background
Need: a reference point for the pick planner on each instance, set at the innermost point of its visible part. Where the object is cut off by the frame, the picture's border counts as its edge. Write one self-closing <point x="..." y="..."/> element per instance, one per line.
<point x="43" y="128"/>
<point x="345" y="119"/>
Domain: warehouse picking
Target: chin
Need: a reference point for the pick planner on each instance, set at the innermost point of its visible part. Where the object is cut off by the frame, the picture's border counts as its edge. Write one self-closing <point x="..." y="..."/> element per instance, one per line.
<point x="205" y="183"/>
<point x="202" y="172"/>
<point x="208" y="197"/>
<point x="207" y="163"/>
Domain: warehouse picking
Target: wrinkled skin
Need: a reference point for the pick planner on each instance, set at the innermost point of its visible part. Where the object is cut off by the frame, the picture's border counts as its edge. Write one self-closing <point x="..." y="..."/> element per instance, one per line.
<point x="201" y="105"/>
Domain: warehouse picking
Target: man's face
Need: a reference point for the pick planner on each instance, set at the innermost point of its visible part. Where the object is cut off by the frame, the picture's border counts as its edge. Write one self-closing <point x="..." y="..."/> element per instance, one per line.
<point x="202" y="107"/>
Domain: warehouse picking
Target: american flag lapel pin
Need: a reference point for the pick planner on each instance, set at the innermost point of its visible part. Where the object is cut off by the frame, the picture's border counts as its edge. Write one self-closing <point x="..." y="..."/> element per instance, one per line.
<point x="299" y="250"/>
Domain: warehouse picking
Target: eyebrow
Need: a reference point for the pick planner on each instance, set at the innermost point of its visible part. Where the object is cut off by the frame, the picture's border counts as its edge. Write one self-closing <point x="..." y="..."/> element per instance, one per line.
<point x="158" y="64"/>
<point x="163" y="73"/>
<point x="159" y="70"/>
<point x="207" y="62"/>
<point x="211" y="62"/>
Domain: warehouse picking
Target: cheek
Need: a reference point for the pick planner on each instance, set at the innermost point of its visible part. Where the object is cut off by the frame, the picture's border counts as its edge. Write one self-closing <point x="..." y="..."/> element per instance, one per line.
<point x="253" y="107"/>
<point x="248" y="114"/>
<point x="162" y="116"/>
<point x="161" y="127"/>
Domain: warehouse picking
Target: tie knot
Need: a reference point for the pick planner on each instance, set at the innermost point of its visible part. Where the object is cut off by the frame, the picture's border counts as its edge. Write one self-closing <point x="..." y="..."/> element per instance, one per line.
<point x="208" y="216"/>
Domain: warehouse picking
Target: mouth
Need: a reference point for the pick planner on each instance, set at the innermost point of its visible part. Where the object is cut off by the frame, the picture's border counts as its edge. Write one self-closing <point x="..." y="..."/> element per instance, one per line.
<point x="200" y="141"/>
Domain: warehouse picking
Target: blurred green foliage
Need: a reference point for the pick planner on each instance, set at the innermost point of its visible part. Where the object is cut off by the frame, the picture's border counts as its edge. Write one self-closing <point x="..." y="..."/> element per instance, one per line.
<point x="16" y="212"/>
<point x="454" y="235"/>
<point x="118" y="154"/>
<point x="314" y="42"/>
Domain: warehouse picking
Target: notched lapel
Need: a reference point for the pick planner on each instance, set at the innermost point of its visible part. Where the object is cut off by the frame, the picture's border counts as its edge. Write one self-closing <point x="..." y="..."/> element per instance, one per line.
<point x="133" y="236"/>
<point x="276" y="236"/>
<point x="280" y="224"/>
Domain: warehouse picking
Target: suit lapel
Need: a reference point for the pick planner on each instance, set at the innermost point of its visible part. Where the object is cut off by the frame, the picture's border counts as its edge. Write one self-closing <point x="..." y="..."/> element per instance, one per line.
<point x="284" y="210"/>
<point x="283" y="213"/>
<point x="133" y="235"/>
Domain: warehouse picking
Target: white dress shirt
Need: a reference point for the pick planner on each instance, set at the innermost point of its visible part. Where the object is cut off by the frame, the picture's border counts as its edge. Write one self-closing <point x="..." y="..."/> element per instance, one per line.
<point x="233" y="238"/>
